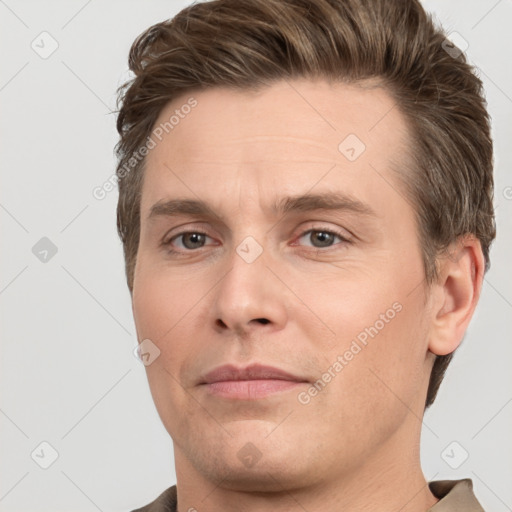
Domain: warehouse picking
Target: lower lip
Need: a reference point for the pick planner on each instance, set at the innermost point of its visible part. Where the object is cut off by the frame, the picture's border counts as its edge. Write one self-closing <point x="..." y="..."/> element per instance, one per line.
<point x="250" y="389"/>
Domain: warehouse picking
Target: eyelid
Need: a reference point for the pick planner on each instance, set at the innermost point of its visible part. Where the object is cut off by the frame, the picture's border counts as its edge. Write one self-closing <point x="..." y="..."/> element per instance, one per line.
<point x="335" y="246"/>
<point x="167" y="241"/>
<point x="345" y="236"/>
<point x="175" y="232"/>
<point x="343" y="233"/>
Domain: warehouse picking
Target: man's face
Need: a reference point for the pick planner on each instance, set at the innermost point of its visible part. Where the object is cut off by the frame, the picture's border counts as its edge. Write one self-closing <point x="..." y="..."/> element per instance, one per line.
<point x="334" y="297"/>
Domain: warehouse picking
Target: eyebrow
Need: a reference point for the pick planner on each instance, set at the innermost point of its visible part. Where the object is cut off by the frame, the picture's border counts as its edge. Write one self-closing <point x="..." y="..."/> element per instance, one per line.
<point x="283" y="205"/>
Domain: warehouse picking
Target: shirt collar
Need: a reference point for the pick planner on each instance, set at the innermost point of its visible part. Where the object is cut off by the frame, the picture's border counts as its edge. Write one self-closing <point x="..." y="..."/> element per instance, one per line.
<point x="454" y="495"/>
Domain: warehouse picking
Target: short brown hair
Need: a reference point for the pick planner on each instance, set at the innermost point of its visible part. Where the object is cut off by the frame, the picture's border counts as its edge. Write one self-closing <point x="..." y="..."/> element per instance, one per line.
<point x="246" y="44"/>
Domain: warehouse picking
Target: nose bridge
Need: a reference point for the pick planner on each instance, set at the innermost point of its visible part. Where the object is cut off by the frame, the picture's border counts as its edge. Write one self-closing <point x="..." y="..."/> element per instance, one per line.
<point x="249" y="290"/>
<point x="247" y="273"/>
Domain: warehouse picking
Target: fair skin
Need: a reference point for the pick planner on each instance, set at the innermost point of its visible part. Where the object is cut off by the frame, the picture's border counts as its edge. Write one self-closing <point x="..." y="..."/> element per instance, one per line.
<point x="298" y="306"/>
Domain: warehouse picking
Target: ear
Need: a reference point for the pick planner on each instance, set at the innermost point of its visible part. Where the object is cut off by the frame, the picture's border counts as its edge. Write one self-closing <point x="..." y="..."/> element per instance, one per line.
<point x="455" y="294"/>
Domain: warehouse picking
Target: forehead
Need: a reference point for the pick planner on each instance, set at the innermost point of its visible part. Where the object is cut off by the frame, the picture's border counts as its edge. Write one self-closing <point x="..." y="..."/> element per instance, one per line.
<point x="283" y="135"/>
<point x="307" y="111"/>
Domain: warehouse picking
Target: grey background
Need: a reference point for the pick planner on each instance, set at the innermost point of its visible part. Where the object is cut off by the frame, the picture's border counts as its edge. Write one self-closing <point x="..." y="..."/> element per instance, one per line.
<point x="68" y="374"/>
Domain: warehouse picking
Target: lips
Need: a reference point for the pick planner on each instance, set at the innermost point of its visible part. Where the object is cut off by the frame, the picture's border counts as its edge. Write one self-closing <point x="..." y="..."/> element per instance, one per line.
<point x="254" y="382"/>
<point x="253" y="372"/>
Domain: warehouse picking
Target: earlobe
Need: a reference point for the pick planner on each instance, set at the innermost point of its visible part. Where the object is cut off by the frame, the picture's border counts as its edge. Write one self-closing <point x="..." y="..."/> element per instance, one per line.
<point x="456" y="294"/>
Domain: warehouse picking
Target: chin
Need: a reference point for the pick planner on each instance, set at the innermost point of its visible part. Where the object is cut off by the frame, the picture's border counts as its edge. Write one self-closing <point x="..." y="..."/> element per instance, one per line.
<point x="265" y="476"/>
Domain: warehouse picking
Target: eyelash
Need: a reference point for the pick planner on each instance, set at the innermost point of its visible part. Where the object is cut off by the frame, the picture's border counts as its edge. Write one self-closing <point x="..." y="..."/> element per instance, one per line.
<point x="329" y="231"/>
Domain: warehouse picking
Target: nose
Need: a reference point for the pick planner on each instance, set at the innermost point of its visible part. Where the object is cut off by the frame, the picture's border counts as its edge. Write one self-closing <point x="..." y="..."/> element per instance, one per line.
<point x="250" y="296"/>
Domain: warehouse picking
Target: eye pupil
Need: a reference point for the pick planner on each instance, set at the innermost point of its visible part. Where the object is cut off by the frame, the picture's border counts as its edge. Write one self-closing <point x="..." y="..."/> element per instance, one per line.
<point x="324" y="238"/>
<point x="197" y="239"/>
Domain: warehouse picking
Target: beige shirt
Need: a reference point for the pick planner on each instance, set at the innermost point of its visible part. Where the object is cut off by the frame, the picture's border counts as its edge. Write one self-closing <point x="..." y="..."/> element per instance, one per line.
<point x="453" y="495"/>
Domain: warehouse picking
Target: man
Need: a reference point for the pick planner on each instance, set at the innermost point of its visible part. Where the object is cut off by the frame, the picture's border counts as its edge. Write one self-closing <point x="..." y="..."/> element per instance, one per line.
<point x="306" y="212"/>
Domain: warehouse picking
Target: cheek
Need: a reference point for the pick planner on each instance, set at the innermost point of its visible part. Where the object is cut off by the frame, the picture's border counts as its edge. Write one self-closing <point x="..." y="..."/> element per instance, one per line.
<point x="388" y="373"/>
<point x="160" y="315"/>
<point x="380" y="343"/>
<point x="169" y="312"/>
<point x="160" y="302"/>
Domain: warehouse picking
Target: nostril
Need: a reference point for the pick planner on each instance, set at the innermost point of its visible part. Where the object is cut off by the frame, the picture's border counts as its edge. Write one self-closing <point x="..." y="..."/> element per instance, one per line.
<point x="263" y="320"/>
